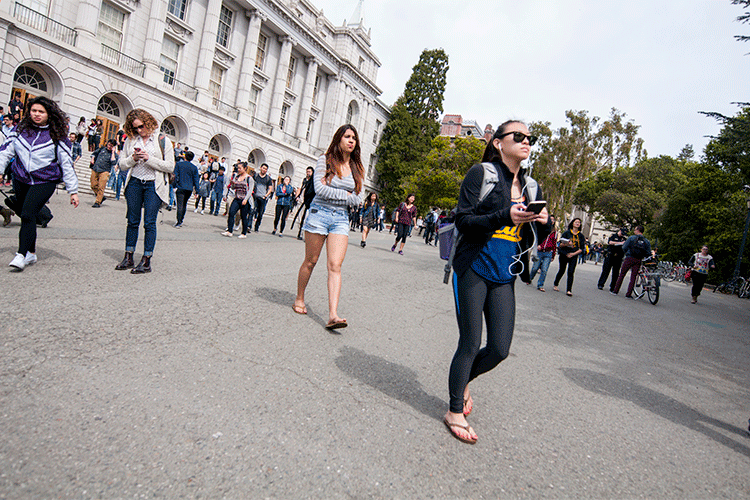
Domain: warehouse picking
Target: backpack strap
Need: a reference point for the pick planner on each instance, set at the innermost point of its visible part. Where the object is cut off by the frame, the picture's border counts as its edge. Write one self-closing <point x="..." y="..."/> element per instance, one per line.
<point x="489" y="180"/>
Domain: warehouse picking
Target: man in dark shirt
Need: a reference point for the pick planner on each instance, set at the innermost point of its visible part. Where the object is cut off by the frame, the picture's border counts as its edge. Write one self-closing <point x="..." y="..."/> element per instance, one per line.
<point x="262" y="192"/>
<point x="307" y="192"/>
<point x="186" y="179"/>
<point x="612" y="259"/>
<point x="102" y="161"/>
<point x="636" y="248"/>
<point x="15" y="106"/>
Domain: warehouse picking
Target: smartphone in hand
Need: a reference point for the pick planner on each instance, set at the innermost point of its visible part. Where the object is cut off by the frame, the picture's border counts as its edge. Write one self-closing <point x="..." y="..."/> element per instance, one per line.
<point x="536" y="206"/>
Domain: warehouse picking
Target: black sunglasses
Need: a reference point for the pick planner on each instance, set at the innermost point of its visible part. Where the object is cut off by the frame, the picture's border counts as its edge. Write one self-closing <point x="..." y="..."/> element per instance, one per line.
<point x="141" y="126"/>
<point x="520" y="136"/>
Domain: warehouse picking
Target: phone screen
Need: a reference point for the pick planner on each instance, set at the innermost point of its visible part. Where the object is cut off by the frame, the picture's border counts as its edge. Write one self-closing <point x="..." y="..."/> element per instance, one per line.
<point x="536" y="206"/>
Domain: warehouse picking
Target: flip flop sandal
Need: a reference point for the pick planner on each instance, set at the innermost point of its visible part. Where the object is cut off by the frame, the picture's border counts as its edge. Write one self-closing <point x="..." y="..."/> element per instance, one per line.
<point x="335" y="325"/>
<point x="299" y="310"/>
<point x="471" y="408"/>
<point x="450" y="427"/>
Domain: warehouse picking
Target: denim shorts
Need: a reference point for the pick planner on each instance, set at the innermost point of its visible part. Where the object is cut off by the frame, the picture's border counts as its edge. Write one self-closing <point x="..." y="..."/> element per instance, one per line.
<point x="326" y="220"/>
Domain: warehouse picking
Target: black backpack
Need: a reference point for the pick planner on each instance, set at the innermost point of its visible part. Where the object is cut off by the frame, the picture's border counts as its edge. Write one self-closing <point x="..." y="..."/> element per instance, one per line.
<point x="639" y="248"/>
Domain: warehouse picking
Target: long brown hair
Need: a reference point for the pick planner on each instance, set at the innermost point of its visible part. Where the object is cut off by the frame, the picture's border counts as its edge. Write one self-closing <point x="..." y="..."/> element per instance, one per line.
<point x="369" y="201"/>
<point x="335" y="157"/>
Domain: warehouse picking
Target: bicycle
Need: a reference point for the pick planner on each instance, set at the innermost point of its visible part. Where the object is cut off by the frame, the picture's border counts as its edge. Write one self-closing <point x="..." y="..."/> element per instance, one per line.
<point x="733" y="286"/>
<point x="647" y="281"/>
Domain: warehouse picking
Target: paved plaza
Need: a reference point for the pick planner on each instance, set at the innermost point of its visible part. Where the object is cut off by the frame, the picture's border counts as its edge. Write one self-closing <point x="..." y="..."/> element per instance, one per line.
<point x="199" y="381"/>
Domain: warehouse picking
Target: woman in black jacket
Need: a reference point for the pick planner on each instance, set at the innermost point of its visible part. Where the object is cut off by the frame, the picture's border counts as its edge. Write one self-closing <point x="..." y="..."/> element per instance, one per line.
<point x="494" y="234"/>
<point x="572" y="244"/>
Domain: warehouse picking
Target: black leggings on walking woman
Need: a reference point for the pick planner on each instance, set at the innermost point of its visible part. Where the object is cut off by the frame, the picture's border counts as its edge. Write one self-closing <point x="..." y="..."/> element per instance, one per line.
<point x="476" y="297"/>
<point x="570" y="263"/>
<point x="31" y="199"/>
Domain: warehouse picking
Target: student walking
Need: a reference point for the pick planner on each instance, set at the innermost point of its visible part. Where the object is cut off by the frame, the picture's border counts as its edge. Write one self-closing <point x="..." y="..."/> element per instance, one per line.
<point x="148" y="160"/>
<point x="405" y="216"/>
<point x="370" y="216"/>
<point x="493" y="232"/>
<point x="284" y="195"/>
<point x="241" y="184"/>
<point x="572" y="244"/>
<point x="338" y="179"/>
<point x="42" y="153"/>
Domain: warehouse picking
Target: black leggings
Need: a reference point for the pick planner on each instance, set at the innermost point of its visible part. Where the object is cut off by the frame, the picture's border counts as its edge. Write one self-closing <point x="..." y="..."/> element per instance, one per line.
<point x="475" y="297"/>
<point x="570" y="263"/>
<point x="31" y="199"/>
<point x="282" y="211"/>
<point x="402" y="231"/>
<point x="244" y="214"/>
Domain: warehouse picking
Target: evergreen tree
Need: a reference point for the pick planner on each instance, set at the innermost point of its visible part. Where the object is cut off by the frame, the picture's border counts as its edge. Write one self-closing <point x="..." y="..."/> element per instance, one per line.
<point x="407" y="137"/>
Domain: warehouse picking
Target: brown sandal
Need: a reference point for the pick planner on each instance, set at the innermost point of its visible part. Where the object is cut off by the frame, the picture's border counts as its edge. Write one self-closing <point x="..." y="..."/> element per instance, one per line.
<point x="450" y="427"/>
<point x="299" y="310"/>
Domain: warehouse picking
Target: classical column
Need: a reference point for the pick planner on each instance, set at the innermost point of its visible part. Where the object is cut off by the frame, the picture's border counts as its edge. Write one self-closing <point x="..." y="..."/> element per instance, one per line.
<point x="248" y="58"/>
<point x="331" y="121"/>
<point x="279" y="86"/>
<point x="154" y="39"/>
<point x="206" y="52"/>
<point x="86" y="23"/>
<point x="307" y="93"/>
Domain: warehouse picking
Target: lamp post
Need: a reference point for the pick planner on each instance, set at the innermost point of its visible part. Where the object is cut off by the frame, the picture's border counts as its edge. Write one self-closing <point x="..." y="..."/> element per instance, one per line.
<point x="736" y="274"/>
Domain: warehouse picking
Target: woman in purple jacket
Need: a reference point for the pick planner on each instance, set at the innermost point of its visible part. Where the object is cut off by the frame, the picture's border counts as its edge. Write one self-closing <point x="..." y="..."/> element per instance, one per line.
<point x="42" y="153"/>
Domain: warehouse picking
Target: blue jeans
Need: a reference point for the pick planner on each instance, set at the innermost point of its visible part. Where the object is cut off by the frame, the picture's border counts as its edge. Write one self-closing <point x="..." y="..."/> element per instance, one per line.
<point x="543" y="263"/>
<point x="141" y="195"/>
<point x="215" y="198"/>
<point x="119" y="181"/>
<point x="260" y="208"/>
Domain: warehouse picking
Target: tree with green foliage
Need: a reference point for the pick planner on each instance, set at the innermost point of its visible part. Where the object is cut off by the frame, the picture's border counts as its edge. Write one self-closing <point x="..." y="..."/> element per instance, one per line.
<point x="438" y="181"/>
<point x="744" y="18"/>
<point x="408" y="134"/>
<point x="731" y="148"/>
<point x="569" y="155"/>
<point x="633" y="195"/>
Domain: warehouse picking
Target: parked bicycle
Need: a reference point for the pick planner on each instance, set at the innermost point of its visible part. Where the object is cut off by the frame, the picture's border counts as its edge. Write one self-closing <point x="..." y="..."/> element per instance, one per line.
<point x="648" y="281"/>
<point x="733" y="286"/>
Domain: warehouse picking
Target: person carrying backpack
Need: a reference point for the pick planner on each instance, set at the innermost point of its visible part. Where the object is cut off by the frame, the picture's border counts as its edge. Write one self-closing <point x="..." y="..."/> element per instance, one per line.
<point x="636" y="248"/>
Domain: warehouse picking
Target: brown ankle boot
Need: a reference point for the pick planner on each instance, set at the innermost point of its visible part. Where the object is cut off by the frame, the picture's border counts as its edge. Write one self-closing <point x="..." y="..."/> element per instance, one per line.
<point x="144" y="266"/>
<point x="127" y="262"/>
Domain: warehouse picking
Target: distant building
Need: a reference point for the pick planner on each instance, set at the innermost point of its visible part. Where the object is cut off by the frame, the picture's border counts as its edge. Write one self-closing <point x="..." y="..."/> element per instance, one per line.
<point x="267" y="81"/>
<point x="456" y="126"/>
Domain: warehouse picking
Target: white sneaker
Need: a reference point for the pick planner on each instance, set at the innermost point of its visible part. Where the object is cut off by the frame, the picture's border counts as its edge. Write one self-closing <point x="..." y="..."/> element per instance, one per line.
<point x="19" y="262"/>
<point x="195" y="211"/>
<point x="29" y="259"/>
<point x="242" y="236"/>
<point x="227" y="234"/>
<point x="202" y="211"/>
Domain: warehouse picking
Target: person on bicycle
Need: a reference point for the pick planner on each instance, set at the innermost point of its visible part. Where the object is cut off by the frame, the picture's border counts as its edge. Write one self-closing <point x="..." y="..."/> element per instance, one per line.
<point x="700" y="263"/>
<point x="636" y="248"/>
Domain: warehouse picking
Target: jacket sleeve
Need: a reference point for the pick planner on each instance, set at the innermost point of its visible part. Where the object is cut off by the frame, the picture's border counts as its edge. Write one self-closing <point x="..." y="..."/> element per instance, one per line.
<point x="467" y="219"/>
<point x="691" y="262"/>
<point x="7" y="151"/>
<point x="196" y="178"/>
<point x="66" y="165"/>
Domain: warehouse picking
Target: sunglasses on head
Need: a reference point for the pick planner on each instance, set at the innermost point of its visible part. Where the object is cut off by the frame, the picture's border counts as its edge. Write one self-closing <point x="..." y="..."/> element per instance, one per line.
<point x="520" y="136"/>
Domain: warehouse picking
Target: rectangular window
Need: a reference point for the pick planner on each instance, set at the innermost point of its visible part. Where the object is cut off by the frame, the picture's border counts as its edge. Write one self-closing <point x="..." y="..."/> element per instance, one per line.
<point x="360" y="63"/>
<point x="41" y="6"/>
<point x="290" y="72"/>
<point x="170" y="50"/>
<point x="214" y="84"/>
<point x="316" y="89"/>
<point x="111" y="22"/>
<point x="309" y="132"/>
<point x="282" y="120"/>
<point x="177" y="8"/>
<point x="378" y="124"/>
<point x="260" y="56"/>
<point x="225" y="27"/>
<point x="254" y="98"/>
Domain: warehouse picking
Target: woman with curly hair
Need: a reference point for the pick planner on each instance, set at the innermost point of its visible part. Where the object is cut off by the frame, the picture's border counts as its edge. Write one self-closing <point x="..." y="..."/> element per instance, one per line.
<point x="42" y="153"/>
<point x="338" y="181"/>
<point x="148" y="160"/>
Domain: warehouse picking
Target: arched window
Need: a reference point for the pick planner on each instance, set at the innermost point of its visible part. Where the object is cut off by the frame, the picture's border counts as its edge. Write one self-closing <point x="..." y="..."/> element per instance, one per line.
<point x="213" y="146"/>
<point x="352" y="112"/>
<point x="168" y="128"/>
<point x="108" y="106"/>
<point x="29" y="77"/>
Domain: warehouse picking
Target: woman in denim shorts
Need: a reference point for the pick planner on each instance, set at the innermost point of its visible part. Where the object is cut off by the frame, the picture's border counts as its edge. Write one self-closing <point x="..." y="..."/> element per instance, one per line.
<point x="338" y="181"/>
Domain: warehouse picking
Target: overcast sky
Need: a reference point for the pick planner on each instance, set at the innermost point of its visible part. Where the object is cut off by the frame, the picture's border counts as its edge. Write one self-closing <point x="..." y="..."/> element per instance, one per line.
<point x="659" y="61"/>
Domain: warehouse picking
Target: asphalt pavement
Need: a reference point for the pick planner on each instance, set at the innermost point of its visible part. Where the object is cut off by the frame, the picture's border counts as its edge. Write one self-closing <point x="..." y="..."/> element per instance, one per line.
<point x="199" y="381"/>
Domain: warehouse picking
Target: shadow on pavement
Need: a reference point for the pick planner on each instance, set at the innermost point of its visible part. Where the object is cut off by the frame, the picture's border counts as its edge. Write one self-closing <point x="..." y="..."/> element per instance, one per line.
<point x="395" y="381"/>
<point x="286" y="299"/>
<point x="657" y="403"/>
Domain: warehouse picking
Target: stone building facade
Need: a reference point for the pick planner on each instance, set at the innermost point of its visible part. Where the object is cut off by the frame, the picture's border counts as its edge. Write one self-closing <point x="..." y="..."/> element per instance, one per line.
<point x="258" y="80"/>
